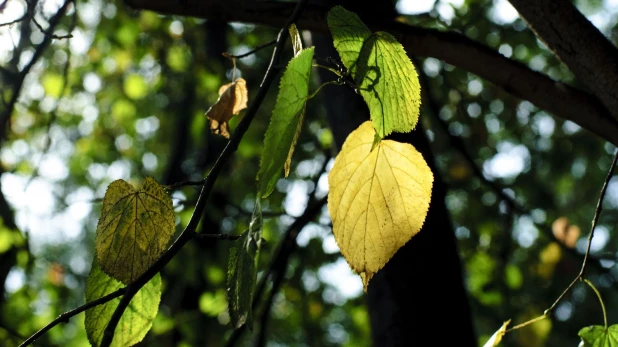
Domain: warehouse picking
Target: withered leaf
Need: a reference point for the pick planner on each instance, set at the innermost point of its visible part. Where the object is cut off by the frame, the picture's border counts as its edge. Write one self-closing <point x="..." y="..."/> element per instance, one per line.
<point x="232" y="99"/>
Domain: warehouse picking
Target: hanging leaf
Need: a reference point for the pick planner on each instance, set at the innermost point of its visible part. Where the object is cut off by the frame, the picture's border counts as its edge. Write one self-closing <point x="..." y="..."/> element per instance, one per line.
<point x="297" y="44"/>
<point x="233" y="98"/>
<point x="286" y="122"/>
<point x="377" y="200"/>
<point x="137" y="318"/>
<point x="599" y="336"/>
<point x="495" y="339"/>
<point x="241" y="273"/>
<point x="134" y="229"/>
<point x="382" y="71"/>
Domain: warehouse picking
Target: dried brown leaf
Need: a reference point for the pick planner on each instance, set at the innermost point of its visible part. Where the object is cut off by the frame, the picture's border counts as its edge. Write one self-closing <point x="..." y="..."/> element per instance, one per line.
<point x="233" y="98"/>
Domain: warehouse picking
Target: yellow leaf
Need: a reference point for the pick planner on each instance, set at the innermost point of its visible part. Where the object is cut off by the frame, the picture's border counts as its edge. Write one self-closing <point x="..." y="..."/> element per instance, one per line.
<point x="497" y="336"/>
<point x="232" y="99"/>
<point x="377" y="200"/>
<point x="134" y="229"/>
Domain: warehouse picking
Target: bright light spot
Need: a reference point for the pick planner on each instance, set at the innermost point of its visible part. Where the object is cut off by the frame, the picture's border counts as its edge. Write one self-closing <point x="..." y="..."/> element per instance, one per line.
<point x="92" y="82"/>
<point x="329" y="244"/>
<point x="544" y="124"/>
<point x="176" y="28"/>
<point x="15" y="280"/>
<point x="80" y="42"/>
<point x="475" y="87"/>
<point x="502" y="12"/>
<point x="340" y="276"/>
<point x="53" y="168"/>
<point x="149" y="161"/>
<point x="296" y="199"/>
<point x="525" y="232"/>
<point x="414" y="6"/>
<point x="510" y="161"/>
<point x="600" y="239"/>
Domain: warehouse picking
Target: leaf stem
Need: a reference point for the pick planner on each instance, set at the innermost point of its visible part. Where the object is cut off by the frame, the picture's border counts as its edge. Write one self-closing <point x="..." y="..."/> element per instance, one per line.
<point x="596" y="291"/>
<point x="253" y="51"/>
<point x="320" y="87"/>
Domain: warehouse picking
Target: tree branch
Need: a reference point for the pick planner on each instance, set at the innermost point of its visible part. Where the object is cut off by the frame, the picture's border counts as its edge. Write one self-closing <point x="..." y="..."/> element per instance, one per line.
<point x="560" y="99"/>
<point x="63" y="318"/>
<point x="230" y="148"/>
<point x="578" y="43"/>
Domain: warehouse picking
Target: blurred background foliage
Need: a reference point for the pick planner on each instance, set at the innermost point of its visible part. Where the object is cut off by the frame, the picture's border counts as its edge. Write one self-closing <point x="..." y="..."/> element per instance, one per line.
<point x="125" y="97"/>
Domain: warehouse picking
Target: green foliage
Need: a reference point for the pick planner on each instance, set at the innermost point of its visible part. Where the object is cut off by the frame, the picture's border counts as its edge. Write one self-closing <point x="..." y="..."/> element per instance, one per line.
<point x="134" y="229"/>
<point x="138" y="317"/>
<point x="242" y="270"/>
<point x="382" y="71"/>
<point x="599" y="336"/>
<point x="286" y="122"/>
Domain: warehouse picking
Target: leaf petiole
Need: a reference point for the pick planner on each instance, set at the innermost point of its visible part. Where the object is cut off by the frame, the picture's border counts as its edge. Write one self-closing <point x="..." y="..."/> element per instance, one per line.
<point x="596" y="291"/>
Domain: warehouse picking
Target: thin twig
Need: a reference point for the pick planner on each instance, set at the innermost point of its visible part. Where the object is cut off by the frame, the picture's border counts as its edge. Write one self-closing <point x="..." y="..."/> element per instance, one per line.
<point x="253" y="51"/>
<point x="227" y="152"/>
<point x="185" y="184"/>
<point x="15" y="21"/>
<point x="64" y="318"/>
<point x="48" y="33"/>
<point x="580" y="275"/>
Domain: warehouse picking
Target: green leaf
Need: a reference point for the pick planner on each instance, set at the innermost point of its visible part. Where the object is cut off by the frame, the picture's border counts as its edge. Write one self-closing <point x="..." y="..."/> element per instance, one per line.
<point x="297" y="44"/>
<point x="137" y="318"/>
<point x="349" y="35"/>
<point x="599" y="336"/>
<point x="134" y="229"/>
<point x="286" y="122"/>
<point x="389" y="84"/>
<point x="381" y="70"/>
<point x="241" y="273"/>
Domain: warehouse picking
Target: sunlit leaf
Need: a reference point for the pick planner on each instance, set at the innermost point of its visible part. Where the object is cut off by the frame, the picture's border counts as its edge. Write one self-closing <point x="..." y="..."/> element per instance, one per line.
<point x="349" y="35"/>
<point x="599" y="336"/>
<point x="377" y="200"/>
<point x="241" y="273"/>
<point x="134" y="229"/>
<point x="232" y="99"/>
<point x="137" y="318"/>
<point x="286" y="122"/>
<point x="297" y="43"/>
<point x="497" y="336"/>
<point x="382" y="71"/>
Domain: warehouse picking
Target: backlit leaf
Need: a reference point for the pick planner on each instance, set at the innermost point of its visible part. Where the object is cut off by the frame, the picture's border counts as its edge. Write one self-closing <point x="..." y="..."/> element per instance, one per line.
<point x="134" y="229"/>
<point x="599" y="336"/>
<point x="349" y="35"/>
<point x="241" y="273"/>
<point x="286" y="122"/>
<point x="233" y="98"/>
<point x="382" y="71"/>
<point x="297" y="44"/>
<point x="137" y="318"/>
<point x="377" y="200"/>
<point x="495" y="339"/>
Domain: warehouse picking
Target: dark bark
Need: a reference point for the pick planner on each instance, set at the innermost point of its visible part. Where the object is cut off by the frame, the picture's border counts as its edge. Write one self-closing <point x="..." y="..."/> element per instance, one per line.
<point x="578" y="43"/>
<point x="420" y="289"/>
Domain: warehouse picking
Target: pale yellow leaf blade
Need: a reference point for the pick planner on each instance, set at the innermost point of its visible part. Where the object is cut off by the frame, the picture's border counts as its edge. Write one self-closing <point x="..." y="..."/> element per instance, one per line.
<point x="134" y="229"/>
<point x="377" y="200"/>
<point x="497" y="336"/>
<point x="297" y="43"/>
<point x="233" y="98"/>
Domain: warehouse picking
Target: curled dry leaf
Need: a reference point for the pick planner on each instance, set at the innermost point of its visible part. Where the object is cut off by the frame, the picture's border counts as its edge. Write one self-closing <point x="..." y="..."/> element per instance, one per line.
<point x="232" y="99"/>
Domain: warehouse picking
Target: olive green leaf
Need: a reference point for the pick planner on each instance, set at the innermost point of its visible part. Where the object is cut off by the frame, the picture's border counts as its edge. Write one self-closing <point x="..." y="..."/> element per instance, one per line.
<point x="134" y="229"/>
<point x="137" y="318"/>
<point x="286" y="122"/>
<point x="241" y="273"/>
